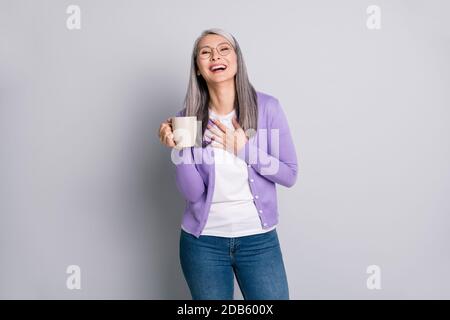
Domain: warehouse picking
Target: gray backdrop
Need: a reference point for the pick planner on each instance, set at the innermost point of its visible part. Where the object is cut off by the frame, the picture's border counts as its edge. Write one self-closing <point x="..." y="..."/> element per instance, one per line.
<point x="85" y="181"/>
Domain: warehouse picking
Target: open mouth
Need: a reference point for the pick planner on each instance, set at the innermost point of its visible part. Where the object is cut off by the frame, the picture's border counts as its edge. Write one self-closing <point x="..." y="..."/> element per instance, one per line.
<point x="218" y="68"/>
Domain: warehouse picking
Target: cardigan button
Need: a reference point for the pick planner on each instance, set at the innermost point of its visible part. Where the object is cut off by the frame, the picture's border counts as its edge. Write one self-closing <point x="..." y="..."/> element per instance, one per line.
<point x="251" y="180"/>
<point x="260" y="211"/>
<point x="256" y="197"/>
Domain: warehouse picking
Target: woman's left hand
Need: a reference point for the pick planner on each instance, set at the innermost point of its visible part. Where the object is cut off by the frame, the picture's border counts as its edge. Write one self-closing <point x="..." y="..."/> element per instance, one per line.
<point x="222" y="137"/>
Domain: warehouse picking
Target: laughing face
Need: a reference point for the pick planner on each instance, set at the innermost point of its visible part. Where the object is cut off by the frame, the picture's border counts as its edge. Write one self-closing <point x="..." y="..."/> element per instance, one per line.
<point x="216" y="59"/>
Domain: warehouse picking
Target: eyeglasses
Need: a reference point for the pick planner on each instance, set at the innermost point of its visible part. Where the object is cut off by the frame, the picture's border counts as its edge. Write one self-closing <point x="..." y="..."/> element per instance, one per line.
<point x="223" y="49"/>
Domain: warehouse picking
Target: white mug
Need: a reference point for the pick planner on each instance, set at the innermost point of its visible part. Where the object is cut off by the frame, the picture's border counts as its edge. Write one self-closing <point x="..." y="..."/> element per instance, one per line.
<point x="184" y="131"/>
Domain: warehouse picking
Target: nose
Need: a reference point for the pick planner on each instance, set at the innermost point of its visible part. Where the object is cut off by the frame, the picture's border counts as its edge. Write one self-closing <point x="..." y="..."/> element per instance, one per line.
<point x="215" y="54"/>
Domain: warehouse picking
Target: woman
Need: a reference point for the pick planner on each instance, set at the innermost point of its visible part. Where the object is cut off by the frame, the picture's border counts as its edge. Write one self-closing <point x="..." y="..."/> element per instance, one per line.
<point x="228" y="181"/>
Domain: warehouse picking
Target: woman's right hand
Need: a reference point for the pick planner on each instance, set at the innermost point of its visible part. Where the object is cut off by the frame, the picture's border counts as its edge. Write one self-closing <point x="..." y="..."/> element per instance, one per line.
<point x="166" y="133"/>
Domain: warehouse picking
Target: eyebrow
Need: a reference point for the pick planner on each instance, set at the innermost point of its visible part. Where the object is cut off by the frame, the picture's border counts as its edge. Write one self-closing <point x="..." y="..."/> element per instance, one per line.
<point x="211" y="47"/>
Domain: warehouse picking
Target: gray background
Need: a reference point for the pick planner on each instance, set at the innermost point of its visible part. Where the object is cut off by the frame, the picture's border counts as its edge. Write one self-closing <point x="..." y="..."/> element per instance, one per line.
<point x="85" y="181"/>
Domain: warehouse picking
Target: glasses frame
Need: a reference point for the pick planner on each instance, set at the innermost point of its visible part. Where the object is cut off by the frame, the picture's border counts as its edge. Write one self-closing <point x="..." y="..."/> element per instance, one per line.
<point x="212" y="50"/>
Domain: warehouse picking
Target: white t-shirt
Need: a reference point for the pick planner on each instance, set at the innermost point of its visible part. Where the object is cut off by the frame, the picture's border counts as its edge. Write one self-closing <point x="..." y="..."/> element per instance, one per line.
<point x="233" y="212"/>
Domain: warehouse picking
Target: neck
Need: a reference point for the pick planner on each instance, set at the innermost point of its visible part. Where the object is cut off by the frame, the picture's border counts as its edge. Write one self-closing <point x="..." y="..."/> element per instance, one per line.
<point x="222" y="97"/>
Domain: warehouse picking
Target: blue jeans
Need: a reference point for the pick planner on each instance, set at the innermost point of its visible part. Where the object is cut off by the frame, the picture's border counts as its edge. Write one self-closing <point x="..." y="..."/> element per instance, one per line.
<point x="209" y="264"/>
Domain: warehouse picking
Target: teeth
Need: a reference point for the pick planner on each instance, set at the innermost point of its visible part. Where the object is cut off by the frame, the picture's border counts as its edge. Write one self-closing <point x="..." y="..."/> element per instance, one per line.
<point x="218" y="67"/>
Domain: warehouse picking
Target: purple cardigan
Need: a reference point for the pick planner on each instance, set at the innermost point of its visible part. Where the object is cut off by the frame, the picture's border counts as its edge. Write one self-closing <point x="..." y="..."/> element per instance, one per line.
<point x="270" y="156"/>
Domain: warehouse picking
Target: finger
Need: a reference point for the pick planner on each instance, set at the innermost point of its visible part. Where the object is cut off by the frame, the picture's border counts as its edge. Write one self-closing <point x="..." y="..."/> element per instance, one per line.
<point x="168" y="136"/>
<point x="169" y="140"/>
<point x="209" y="135"/>
<point x="215" y="131"/>
<point x="220" y="125"/>
<point x="168" y="122"/>
<point x="215" y="144"/>
<point x="161" y="126"/>
<point x="169" y="143"/>
<point x="164" y="137"/>
<point x="222" y="145"/>
<point x="165" y="131"/>
<point x="161" y="135"/>
<point x="164" y="126"/>
<point x="212" y="136"/>
<point x="220" y="140"/>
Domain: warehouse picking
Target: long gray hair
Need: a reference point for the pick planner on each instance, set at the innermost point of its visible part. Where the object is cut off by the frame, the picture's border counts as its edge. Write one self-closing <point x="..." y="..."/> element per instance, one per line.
<point x="197" y="96"/>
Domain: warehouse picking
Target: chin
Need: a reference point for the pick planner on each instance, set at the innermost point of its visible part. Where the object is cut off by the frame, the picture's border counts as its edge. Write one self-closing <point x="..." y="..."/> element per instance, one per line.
<point x="221" y="78"/>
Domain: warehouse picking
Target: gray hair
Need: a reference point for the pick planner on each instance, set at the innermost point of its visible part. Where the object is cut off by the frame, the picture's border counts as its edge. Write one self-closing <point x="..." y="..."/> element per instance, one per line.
<point x="197" y="96"/>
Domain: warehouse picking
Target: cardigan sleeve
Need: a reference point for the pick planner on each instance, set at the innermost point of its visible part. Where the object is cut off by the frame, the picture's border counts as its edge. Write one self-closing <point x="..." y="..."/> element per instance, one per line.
<point x="187" y="178"/>
<point x="281" y="155"/>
